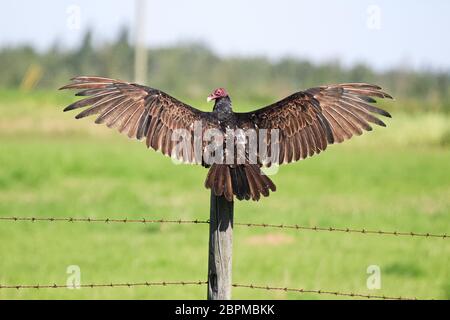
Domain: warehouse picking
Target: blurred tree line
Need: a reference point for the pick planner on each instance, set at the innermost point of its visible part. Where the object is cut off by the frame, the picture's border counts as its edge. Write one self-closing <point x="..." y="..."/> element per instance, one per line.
<point x="192" y="70"/>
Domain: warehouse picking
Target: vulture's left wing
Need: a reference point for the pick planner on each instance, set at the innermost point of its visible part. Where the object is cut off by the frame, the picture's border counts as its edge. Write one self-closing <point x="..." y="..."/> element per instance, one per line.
<point x="141" y="112"/>
<point x="310" y="120"/>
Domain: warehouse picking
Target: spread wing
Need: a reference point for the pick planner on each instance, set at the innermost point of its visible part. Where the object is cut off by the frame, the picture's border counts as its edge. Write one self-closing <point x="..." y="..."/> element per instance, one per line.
<point x="310" y="120"/>
<point x="142" y="113"/>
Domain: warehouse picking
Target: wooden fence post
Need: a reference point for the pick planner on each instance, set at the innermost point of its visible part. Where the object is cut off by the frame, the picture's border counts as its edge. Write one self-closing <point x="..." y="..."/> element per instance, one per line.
<point x="220" y="248"/>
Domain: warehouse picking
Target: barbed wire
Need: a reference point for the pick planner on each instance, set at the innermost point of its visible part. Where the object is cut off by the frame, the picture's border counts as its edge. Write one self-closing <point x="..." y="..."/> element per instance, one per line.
<point x="104" y="220"/>
<point x="103" y="285"/>
<point x="345" y="230"/>
<point x="199" y="283"/>
<point x="321" y="292"/>
<point x="256" y="225"/>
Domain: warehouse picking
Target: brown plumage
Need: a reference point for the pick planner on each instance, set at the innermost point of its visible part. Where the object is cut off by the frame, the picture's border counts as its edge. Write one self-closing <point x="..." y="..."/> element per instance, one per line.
<point x="312" y="119"/>
<point x="308" y="121"/>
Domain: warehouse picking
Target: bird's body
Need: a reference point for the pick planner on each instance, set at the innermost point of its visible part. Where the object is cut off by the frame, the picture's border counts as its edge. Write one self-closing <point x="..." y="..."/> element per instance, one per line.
<point x="222" y="140"/>
<point x="223" y="109"/>
<point x="243" y="179"/>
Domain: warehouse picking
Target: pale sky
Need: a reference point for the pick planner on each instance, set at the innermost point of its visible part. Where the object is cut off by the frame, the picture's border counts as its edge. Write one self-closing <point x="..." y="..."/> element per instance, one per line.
<point x="382" y="33"/>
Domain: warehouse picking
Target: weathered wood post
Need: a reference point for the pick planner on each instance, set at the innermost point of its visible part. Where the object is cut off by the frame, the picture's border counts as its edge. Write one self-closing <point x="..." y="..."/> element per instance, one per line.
<point x="220" y="248"/>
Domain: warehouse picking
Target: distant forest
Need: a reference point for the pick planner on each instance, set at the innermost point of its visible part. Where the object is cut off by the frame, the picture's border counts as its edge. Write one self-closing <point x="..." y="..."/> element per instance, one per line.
<point x="192" y="70"/>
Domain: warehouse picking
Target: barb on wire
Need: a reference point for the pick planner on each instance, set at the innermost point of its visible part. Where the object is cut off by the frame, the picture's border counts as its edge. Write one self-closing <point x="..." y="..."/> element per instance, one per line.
<point x="104" y="285"/>
<point x="321" y="292"/>
<point x="255" y="225"/>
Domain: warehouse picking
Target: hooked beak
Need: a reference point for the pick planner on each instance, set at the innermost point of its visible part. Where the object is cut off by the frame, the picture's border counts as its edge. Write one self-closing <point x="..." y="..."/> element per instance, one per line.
<point x="210" y="98"/>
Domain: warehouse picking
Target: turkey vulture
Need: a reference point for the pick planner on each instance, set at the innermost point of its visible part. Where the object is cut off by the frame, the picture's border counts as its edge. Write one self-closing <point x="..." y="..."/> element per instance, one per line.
<point x="305" y="122"/>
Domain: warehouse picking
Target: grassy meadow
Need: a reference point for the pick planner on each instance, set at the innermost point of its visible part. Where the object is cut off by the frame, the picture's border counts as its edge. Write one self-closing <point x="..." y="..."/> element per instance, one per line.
<point x="395" y="178"/>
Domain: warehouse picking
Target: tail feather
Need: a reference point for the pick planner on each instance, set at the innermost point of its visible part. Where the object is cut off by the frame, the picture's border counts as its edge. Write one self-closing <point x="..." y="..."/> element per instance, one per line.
<point x="240" y="183"/>
<point x="268" y="183"/>
<point x="228" y="189"/>
<point x="220" y="177"/>
<point x="243" y="181"/>
<point x="260" y="183"/>
<point x="252" y="184"/>
<point x="236" y="182"/>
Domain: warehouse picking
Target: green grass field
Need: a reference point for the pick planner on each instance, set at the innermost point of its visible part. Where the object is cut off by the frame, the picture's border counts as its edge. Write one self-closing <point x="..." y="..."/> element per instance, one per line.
<point x="51" y="165"/>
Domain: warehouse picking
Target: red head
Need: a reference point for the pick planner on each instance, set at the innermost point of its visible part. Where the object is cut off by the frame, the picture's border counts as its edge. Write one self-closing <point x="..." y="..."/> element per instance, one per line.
<point x="216" y="94"/>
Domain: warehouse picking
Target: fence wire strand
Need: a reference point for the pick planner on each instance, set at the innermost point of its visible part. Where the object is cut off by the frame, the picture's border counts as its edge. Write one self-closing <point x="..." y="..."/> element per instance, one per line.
<point x="250" y="225"/>
<point x="199" y="283"/>
<point x="104" y="220"/>
<point x="104" y="285"/>
<point x="345" y="230"/>
<point x="321" y="292"/>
